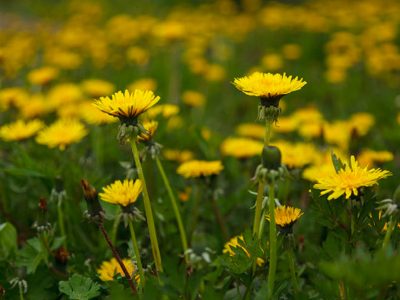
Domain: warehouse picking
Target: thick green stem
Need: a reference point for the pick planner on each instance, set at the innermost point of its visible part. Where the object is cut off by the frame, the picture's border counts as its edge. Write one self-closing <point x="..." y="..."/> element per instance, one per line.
<point x="389" y="230"/>
<point x="175" y="208"/>
<point x="137" y="253"/>
<point x="268" y="130"/>
<point x="61" y="221"/>
<point x="115" y="227"/>
<point x="259" y="201"/>
<point x="21" y="292"/>
<point x="272" y="241"/>
<point x="147" y="208"/>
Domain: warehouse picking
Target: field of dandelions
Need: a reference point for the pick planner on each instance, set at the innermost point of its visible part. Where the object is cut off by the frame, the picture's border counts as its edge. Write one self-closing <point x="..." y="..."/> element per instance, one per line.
<point x="218" y="149"/>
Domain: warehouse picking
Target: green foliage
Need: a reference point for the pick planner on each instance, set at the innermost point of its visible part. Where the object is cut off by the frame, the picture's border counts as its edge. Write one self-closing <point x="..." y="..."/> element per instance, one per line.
<point x="364" y="272"/>
<point x="32" y="254"/>
<point x="79" y="287"/>
<point x="8" y="240"/>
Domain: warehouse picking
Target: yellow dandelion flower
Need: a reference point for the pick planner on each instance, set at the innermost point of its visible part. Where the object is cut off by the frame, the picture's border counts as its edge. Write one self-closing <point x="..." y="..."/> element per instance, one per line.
<point x="42" y="76"/>
<point x="143" y="84"/>
<point x="286" y="216"/>
<point x="34" y="106"/>
<point x="193" y="99"/>
<point x="97" y="87"/>
<point x="251" y="130"/>
<point x="291" y="51"/>
<point x="272" y="61"/>
<point x="93" y="116"/>
<point x="12" y="97"/>
<point x="369" y="157"/>
<point x="178" y="155"/>
<point x="361" y="122"/>
<point x="127" y="106"/>
<point x="267" y="85"/>
<point x="349" y="179"/>
<point x="151" y="127"/>
<point x="123" y="193"/>
<point x="297" y="155"/>
<point x="20" y="130"/>
<point x="198" y="168"/>
<point x="109" y="269"/>
<point x="234" y="243"/>
<point x="286" y="124"/>
<point x="241" y="147"/>
<point x="165" y="110"/>
<point x="62" y="133"/>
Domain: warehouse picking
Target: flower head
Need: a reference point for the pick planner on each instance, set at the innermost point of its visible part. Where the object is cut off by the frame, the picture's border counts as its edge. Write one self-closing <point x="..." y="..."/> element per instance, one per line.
<point x="62" y="133"/>
<point x="286" y="216"/>
<point x="198" y="168"/>
<point x="234" y="243"/>
<point x="97" y="87"/>
<point x="20" y="130"/>
<point x="127" y="106"/>
<point x="349" y="179"/>
<point x="42" y="75"/>
<point x="122" y="193"/>
<point x="151" y="127"/>
<point x="241" y="147"/>
<point x="109" y="269"/>
<point x="267" y="85"/>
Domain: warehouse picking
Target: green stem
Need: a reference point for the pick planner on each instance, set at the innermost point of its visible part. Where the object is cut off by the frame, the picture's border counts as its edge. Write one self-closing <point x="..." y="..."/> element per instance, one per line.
<point x="272" y="241"/>
<point x="147" y="207"/>
<point x="61" y="222"/>
<point x="115" y="227"/>
<point x="175" y="209"/>
<point x="21" y="292"/>
<point x="220" y="219"/>
<point x="259" y="201"/>
<point x="292" y="267"/>
<point x="268" y="130"/>
<point x="388" y="234"/>
<point x="137" y="253"/>
<point x="194" y="216"/>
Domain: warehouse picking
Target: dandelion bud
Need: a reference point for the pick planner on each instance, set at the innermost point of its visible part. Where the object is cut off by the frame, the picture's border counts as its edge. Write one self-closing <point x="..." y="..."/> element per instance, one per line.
<point x="95" y="211"/>
<point x="271" y="157"/>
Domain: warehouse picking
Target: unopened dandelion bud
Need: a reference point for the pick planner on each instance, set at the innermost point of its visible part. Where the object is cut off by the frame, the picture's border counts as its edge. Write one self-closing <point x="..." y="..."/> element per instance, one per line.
<point x="271" y="157"/>
<point x="95" y="211"/>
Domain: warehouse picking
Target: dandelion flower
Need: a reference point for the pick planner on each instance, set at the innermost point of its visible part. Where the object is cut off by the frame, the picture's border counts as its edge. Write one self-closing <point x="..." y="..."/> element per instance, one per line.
<point x="127" y="106"/>
<point x="20" y="130"/>
<point x="286" y="216"/>
<point x="241" y="147"/>
<point x="151" y="127"/>
<point x="62" y="133"/>
<point x="267" y="85"/>
<point x="122" y="193"/>
<point x="198" y="168"/>
<point x="193" y="98"/>
<point x="348" y="180"/>
<point x="234" y="243"/>
<point x="251" y="130"/>
<point x="42" y="76"/>
<point x="369" y="157"/>
<point x="97" y="87"/>
<point x="178" y="155"/>
<point x="165" y="110"/>
<point x="109" y="269"/>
